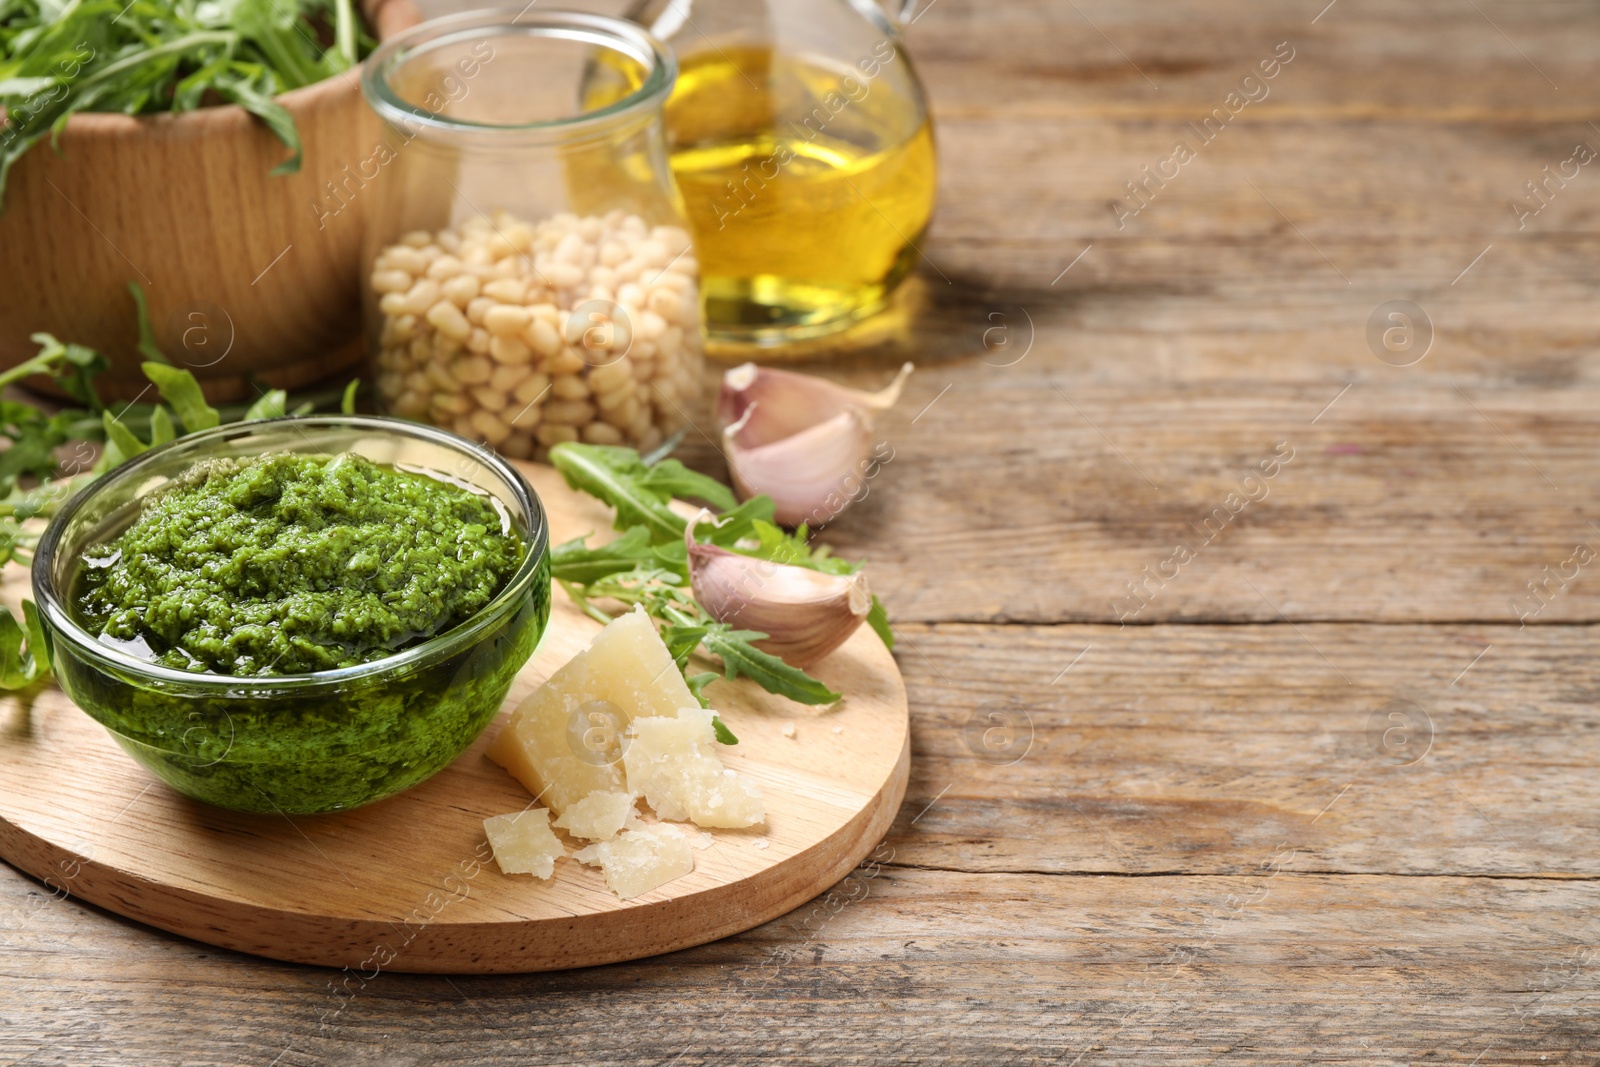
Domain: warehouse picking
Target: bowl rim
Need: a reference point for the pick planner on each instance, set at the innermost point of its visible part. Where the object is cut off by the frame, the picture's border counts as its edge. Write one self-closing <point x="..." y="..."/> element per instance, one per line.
<point x="63" y="626"/>
<point x="618" y="34"/>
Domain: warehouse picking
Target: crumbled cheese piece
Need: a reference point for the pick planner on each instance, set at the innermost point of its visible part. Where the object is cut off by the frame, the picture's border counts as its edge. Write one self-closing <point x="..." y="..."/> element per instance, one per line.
<point x="564" y="741"/>
<point x="702" y="840"/>
<point x="761" y="842"/>
<point x="523" y="842"/>
<point x="788" y="729"/>
<point x="637" y="861"/>
<point x="673" y="764"/>
<point x="598" y="816"/>
<point x="838" y="729"/>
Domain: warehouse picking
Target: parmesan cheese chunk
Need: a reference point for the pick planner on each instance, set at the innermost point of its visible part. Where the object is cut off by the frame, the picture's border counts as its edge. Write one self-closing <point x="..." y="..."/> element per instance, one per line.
<point x="598" y="816"/>
<point x="673" y="763"/>
<point x="523" y="842"/>
<point x="565" y="741"/>
<point x="637" y="861"/>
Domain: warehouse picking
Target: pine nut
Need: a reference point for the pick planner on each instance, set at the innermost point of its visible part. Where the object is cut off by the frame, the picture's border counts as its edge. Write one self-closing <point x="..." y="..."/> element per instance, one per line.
<point x="448" y="320"/>
<point x="474" y="370"/>
<point x="477" y="307"/>
<point x="569" y="412"/>
<point x="489" y="426"/>
<point x="489" y="398"/>
<point x="506" y="379"/>
<point x="551" y="435"/>
<point x="504" y="319"/>
<point x="510" y="351"/>
<point x="569" y="387"/>
<point x="600" y="433"/>
<point x="532" y="389"/>
<point x="508" y="290"/>
<point x="390" y="281"/>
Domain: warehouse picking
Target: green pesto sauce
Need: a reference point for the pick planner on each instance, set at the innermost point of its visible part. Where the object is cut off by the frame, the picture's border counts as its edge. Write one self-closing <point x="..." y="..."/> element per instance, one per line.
<point x="287" y="564"/>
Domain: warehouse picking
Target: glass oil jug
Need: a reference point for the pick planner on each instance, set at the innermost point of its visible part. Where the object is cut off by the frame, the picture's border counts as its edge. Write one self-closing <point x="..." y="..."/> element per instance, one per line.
<point x="801" y="141"/>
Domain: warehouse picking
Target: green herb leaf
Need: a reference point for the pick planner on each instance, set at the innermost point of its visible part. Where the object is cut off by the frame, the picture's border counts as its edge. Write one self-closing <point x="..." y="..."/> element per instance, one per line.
<point x="741" y="658"/>
<point x="617" y="477"/>
<point x="575" y="561"/>
<point x="161" y="430"/>
<point x="122" y="438"/>
<point x="257" y="99"/>
<point x="878" y="619"/>
<point x="179" y="389"/>
<point x="147" y="339"/>
<point x="672" y="479"/>
<point x="347" y="403"/>
<point x="697" y="685"/>
<point x="724" y="735"/>
<point x="23" y="659"/>
<point x="269" y="405"/>
<point x="72" y="366"/>
<point x="737" y="525"/>
<point x="681" y="641"/>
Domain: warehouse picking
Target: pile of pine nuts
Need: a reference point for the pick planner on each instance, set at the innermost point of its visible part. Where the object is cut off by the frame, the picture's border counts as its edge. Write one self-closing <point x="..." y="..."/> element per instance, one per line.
<point x="525" y="335"/>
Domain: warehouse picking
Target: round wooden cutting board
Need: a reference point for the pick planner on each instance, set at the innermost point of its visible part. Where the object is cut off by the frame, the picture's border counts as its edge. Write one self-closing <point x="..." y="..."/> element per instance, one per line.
<point x="407" y="884"/>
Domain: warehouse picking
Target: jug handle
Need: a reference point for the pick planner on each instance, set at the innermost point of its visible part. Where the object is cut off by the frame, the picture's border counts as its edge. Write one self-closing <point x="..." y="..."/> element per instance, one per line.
<point x="892" y="14"/>
<point x="902" y="17"/>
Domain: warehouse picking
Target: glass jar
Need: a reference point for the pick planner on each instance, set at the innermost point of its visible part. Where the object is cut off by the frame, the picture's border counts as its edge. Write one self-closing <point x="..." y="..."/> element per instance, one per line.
<point x="529" y="275"/>
<point x="801" y="139"/>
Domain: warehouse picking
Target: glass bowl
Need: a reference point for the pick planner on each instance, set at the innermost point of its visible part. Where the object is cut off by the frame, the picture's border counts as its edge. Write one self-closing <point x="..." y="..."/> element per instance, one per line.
<point x="298" y="743"/>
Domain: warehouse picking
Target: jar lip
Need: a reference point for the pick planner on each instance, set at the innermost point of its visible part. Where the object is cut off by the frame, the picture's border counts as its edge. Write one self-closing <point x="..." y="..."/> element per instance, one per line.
<point x="52" y="602"/>
<point x="619" y="35"/>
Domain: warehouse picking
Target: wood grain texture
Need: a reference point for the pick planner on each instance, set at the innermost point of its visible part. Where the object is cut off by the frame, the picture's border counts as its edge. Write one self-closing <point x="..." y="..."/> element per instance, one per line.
<point x="1171" y="874"/>
<point x="408" y="884"/>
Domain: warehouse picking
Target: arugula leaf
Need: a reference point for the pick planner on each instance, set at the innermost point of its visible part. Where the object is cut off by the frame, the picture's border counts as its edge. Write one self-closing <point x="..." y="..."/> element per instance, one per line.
<point x="179" y="388"/>
<point x="147" y="339"/>
<point x="878" y="619"/>
<point x="738" y="525"/>
<point x="671" y="478"/>
<point x="23" y="656"/>
<point x="741" y="658"/>
<point x="575" y="561"/>
<point x="123" y="438"/>
<point x="724" y="735"/>
<point x="72" y="366"/>
<point x="272" y="27"/>
<point x="347" y="403"/>
<point x="616" y="476"/>
<point x="255" y="96"/>
<point x="161" y="430"/>
<point x="681" y="641"/>
<point x="269" y="405"/>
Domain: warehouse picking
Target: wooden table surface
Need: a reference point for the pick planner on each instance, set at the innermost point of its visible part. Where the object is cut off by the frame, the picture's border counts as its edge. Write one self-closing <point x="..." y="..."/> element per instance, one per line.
<point x="1324" y="789"/>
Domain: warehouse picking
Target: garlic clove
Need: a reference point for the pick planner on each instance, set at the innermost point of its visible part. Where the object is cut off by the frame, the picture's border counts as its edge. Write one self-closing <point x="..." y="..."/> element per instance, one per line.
<point x="805" y="613"/>
<point x="811" y="475"/>
<point x="793" y="402"/>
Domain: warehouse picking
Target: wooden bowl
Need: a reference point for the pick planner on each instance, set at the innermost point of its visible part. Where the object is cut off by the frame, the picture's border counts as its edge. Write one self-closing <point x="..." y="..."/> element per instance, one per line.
<point x="247" y="274"/>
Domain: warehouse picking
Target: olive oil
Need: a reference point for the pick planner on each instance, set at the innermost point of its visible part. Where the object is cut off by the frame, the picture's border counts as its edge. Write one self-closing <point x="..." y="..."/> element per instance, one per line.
<point x="807" y="184"/>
